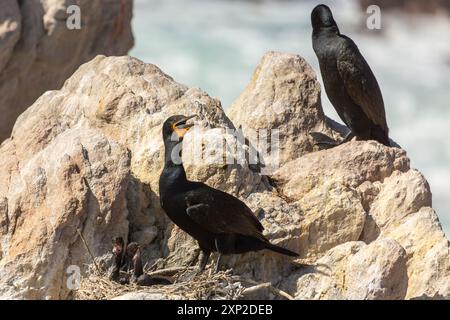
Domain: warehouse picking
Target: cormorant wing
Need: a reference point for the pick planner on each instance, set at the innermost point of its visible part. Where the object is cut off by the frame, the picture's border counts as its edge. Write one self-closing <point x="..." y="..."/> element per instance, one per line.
<point x="220" y="212"/>
<point x="360" y="82"/>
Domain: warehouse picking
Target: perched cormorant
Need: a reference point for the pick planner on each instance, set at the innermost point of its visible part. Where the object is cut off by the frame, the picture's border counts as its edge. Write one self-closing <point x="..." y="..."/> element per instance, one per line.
<point x="217" y="220"/>
<point x="348" y="79"/>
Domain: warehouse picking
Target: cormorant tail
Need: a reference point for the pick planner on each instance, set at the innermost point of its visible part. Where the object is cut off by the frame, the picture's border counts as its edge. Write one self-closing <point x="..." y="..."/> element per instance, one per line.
<point x="281" y="250"/>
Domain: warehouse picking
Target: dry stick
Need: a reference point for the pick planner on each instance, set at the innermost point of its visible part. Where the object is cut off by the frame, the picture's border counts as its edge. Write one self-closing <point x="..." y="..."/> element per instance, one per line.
<point x="269" y="286"/>
<point x="89" y="251"/>
<point x="281" y="293"/>
<point x="258" y="285"/>
<point x="169" y="270"/>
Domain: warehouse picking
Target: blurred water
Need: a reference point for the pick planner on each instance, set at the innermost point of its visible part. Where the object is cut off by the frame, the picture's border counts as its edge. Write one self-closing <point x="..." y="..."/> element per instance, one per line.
<point x="216" y="44"/>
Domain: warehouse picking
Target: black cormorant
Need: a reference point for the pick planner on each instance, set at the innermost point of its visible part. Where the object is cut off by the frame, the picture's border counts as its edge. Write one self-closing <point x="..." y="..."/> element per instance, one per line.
<point x="348" y="79"/>
<point x="217" y="220"/>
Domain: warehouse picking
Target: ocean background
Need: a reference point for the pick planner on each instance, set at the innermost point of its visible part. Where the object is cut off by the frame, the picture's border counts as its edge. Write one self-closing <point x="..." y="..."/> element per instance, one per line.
<point x="216" y="45"/>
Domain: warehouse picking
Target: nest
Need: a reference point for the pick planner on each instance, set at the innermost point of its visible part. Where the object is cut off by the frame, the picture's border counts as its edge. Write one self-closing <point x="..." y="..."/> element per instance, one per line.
<point x="96" y="285"/>
<point x="186" y="285"/>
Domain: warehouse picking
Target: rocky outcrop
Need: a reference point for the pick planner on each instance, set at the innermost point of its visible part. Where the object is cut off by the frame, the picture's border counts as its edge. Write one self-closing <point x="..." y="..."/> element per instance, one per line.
<point x="38" y="52"/>
<point x="101" y="133"/>
<point x="355" y="270"/>
<point x="283" y="96"/>
<point x="88" y="158"/>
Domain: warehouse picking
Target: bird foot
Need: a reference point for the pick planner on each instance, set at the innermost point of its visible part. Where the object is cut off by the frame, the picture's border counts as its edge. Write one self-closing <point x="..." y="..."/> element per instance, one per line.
<point x="324" y="141"/>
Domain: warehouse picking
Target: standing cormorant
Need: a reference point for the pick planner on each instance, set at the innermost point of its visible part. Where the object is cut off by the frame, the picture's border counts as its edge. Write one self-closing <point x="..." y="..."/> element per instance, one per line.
<point x="348" y="79"/>
<point x="217" y="220"/>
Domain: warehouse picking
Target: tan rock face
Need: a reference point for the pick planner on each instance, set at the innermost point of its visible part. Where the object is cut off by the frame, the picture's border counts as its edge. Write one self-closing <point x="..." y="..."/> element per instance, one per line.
<point x="38" y="52"/>
<point x="283" y="95"/>
<point x="121" y="102"/>
<point x="357" y="271"/>
<point x="394" y="197"/>
<point x="428" y="254"/>
<point x="77" y="181"/>
<point x="89" y="157"/>
<point x="352" y="164"/>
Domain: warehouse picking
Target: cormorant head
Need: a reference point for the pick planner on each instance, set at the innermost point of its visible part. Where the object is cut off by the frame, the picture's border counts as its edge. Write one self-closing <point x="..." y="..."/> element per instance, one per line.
<point x="322" y="17"/>
<point x="118" y="246"/>
<point x="176" y="127"/>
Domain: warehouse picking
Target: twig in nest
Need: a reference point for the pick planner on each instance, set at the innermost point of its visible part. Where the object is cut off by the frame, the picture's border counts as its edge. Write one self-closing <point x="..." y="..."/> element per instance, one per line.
<point x="272" y="289"/>
<point x="89" y="251"/>
<point x="169" y="271"/>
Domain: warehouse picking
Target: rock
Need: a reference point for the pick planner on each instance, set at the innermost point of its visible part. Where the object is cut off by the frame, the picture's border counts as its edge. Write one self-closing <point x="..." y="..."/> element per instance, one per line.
<point x="77" y="181"/>
<point x="390" y="194"/>
<point x="352" y="163"/>
<point x="401" y="211"/>
<point x="283" y="95"/>
<point x="329" y="223"/>
<point x="113" y="101"/>
<point x="358" y="271"/>
<point x="146" y="236"/>
<point x="38" y="52"/>
<point x="399" y="195"/>
<point x="89" y="156"/>
<point x="428" y="255"/>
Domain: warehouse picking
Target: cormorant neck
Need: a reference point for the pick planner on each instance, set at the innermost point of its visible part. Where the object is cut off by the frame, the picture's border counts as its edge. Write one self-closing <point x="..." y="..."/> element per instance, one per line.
<point x="173" y="175"/>
<point x="332" y="30"/>
<point x="137" y="264"/>
<point x="172" y="154"/>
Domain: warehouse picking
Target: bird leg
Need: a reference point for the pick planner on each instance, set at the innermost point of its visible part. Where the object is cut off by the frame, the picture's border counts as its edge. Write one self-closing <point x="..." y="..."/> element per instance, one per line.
<point x="204" y="256"/>
<point x="219" y="260"/>
<point x="349" y="136"/>
<point x="325" y="141"/>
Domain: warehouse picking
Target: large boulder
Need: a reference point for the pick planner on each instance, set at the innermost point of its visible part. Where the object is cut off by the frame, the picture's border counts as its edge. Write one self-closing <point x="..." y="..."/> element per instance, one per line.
<point x="354" y="270"/>
<point x="101" y="136"/>
<point x="38" y="52"/>
<point x="76" y="183"/>
<point x="87" y="158"/>
<point x="283" y="96"/>
<point x="396" y="201"/>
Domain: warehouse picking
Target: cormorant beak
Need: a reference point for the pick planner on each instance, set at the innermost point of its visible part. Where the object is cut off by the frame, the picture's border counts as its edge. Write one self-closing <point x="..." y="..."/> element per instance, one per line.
<point x="181" y="127"/>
